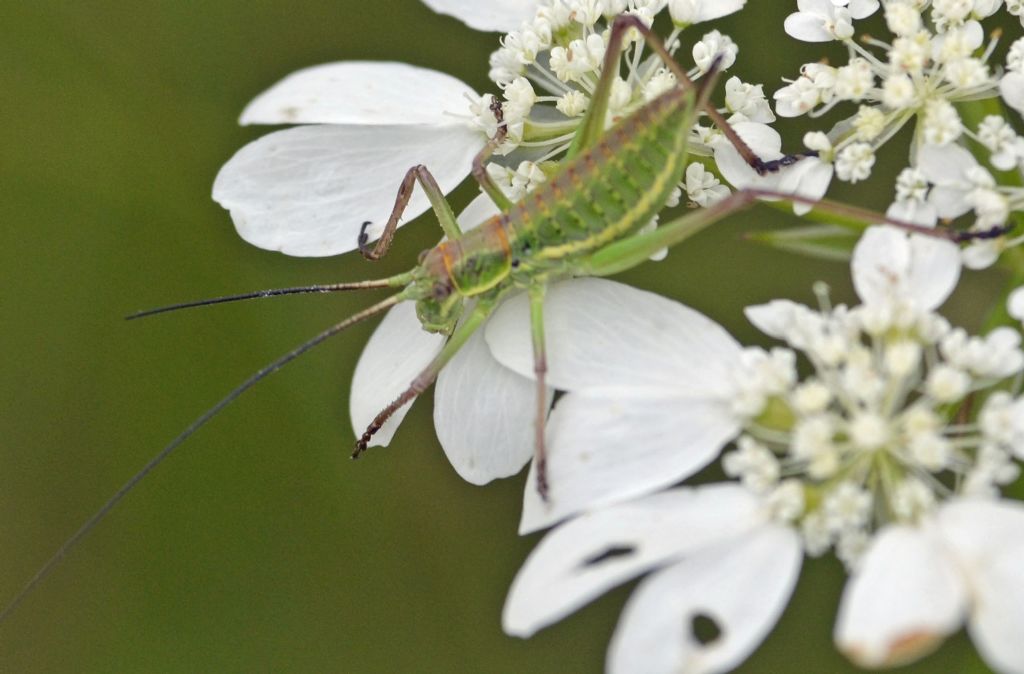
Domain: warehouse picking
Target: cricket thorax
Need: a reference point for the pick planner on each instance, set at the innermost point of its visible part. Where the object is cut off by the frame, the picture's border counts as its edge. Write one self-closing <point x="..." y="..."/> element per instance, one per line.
<point x="477" y="262"/>
<point x="455" y="270"/>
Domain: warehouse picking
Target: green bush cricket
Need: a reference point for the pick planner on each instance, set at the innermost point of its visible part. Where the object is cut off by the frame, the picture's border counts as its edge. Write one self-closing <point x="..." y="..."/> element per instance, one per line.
<point x="585" y="221"/>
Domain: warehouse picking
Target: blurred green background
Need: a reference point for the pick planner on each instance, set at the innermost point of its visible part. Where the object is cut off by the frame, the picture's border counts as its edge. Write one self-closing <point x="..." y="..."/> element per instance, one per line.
<point x="260" y="547"/>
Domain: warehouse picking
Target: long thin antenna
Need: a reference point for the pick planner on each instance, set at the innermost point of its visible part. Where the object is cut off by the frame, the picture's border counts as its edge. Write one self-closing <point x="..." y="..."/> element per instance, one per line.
<point x="390" y="282"/>
<point x="75" y="538"/>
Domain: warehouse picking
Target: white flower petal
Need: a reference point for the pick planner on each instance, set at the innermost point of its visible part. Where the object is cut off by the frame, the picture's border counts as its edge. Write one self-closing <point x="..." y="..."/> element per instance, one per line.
<point x="807" y="28"/>
<point x="987" y="538"/>
<point x="947" y="167"/>
<point x="742" y="586"/>
<point x="591" y="554"/>
<point x="914" y="212"/>
<point x="362" y="92"/>
<point x="398" y="350"/>
<point x="997" y="618"/>
<point x="944" y="164"/>
<point x="499" y="16"/>
<point x="605" y="448"/>
<point x="888" y="263"/>
<point x="860" y="9"/>
<point x="809" y="178"/>
<point x="775" y="318"/>
<point x="1015" y="303"/>
<point x="907" y="596"/>
<point x="980" y="254"/>
<point x="934" y="270"/>
<point x="1012" y="89"/>
<point x="484" y="414"/>
<point x="602" y="333"/>
<point x="307" y="190"/>
<point x="688" y="12"/>
<point x="766" y="144"/>
<point x="879" y="264"/>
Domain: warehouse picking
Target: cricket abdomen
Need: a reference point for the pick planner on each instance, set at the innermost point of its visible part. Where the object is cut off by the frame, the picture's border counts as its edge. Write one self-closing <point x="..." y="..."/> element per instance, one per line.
<point x="609" y="190"/>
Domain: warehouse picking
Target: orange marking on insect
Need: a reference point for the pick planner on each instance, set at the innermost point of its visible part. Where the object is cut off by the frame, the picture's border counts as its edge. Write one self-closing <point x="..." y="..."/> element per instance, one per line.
<point x="449" y="258"/>
<point x="570" y="173"/>
<point x="541" y="203"/>
<point x="496" y="233"/>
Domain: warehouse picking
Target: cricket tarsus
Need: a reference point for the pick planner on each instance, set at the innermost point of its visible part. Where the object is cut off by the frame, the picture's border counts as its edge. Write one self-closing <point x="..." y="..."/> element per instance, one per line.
<point x="991" y="233"/>
<point x="378" y="421"/>
<point x="435" y="194"/>
<point x="762" y="167"/>
<point x="274" y="292"/>
<point x="118" y="496"/>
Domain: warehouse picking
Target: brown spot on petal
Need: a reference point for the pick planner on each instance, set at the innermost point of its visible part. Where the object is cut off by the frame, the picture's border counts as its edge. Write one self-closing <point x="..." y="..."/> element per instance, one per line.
<point x="903" y="650"/>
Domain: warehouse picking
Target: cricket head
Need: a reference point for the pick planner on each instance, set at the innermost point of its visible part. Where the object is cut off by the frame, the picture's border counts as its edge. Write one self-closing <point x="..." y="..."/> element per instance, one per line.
<point x="438" y="302"/>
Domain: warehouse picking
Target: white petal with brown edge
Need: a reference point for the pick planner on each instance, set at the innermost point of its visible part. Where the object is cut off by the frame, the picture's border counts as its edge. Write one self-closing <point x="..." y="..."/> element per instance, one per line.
<point x="905" y="599"/>
<point x="987" y="538"/>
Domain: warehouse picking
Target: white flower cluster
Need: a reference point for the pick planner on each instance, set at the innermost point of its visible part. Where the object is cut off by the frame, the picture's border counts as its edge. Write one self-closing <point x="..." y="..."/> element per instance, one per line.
<point x="932" y="62"/>
<point x="885" y="427"/>
<point x="891" y="452"/>
<point x="935" y="61"/>
<point x="948" y="183"/>
<point x="548" y="69"/>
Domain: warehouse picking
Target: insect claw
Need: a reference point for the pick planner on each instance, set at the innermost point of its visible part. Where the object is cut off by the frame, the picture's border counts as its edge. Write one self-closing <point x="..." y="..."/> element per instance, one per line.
<point x="762" y="167"/>
<point x="542" y="479"/>
<point x="985" y="234"/>
<point x="363" y="241"/>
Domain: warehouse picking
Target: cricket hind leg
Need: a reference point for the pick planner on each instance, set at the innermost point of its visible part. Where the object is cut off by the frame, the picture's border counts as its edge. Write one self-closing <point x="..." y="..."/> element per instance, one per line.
<point x="442" y="210"/>
<point x="628" y="253"/>
<point x="622" y="24"/>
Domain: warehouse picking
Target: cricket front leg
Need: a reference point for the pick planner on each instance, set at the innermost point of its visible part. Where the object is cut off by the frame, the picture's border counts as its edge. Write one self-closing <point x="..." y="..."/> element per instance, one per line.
<point x="442" y="210"/>
<point x="429" y="374"/>
<point x="540" y="369"/>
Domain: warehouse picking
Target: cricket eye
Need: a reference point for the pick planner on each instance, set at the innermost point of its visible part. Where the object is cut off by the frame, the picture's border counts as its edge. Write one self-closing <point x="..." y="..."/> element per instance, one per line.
<point x="441" y="291"/>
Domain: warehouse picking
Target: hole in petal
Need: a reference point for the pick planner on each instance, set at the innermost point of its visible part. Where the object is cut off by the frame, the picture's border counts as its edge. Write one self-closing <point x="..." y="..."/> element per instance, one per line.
<point x="613" y="552"/>
<point x="705" y="629"/>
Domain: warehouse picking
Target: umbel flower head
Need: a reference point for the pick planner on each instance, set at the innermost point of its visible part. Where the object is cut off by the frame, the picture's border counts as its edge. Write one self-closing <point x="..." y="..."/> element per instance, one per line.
<point x="891" y="452"/>
<point x="932" y="75"/>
